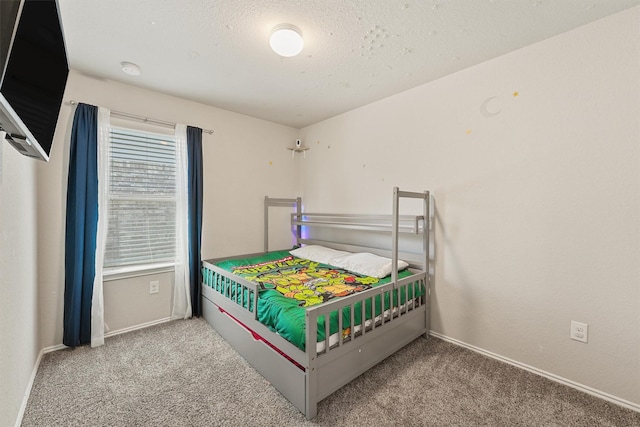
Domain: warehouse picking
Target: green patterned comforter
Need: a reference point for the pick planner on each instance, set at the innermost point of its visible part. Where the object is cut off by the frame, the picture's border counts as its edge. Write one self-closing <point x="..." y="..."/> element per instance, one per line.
<point x="289" y="285"/>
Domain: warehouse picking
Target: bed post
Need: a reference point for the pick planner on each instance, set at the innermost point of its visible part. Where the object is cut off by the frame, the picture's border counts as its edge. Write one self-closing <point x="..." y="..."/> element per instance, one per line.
<point x="299" y="227"/>
<point x="266" y="223"/>
<point x="426" y="249"/>
<point x="311" y="377"/>
<point x="394" y="236"/>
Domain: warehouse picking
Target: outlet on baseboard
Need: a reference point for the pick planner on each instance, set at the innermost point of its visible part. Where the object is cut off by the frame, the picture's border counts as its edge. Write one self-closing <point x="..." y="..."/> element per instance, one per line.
<point x="579" y="331"/>
<point x="154" y="287"/>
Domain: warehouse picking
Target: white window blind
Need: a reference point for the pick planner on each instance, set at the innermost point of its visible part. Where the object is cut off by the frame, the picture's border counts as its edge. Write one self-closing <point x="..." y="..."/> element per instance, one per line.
<point x="142" y="200"/>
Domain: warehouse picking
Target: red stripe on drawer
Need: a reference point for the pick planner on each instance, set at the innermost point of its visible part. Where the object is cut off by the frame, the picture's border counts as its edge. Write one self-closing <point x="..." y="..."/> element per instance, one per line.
<point x="256" y="336"/>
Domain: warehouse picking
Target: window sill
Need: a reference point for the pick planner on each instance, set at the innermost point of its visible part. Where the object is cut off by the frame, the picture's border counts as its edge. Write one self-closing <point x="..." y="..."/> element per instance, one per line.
<point x="117" y="273"/>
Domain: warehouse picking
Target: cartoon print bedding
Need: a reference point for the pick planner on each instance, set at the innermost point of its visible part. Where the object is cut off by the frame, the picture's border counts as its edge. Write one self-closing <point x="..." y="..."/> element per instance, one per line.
<point x="290" y="284"/>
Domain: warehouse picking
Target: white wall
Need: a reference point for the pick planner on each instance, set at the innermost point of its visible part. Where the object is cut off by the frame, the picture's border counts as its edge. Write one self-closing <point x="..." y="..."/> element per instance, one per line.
<point x="538" y="206"/>
<point x="19" y="341"/>
<point x="245" y="159"/>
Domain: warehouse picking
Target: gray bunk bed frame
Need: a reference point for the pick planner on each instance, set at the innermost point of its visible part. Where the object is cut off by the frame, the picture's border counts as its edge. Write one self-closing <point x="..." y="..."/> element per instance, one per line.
<point x="315" y="375"/>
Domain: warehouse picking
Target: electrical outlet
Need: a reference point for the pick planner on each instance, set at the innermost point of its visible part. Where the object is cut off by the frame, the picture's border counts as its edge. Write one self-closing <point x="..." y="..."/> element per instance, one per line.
<point x="579" y="331"/>
<point x="154" y="287"/>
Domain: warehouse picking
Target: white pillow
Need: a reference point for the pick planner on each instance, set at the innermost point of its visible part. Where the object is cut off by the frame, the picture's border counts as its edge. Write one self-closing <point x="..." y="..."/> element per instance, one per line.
<point x="366" y="264"/>
<point x="317" y="253"/>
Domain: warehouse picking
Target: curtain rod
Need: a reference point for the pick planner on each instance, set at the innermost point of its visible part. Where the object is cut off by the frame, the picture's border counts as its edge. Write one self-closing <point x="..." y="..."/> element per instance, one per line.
<point x="144" y="119"/>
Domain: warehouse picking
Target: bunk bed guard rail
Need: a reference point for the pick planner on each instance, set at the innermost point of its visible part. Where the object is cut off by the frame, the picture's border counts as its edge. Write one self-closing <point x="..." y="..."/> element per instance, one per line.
<point x="394" y="223"/>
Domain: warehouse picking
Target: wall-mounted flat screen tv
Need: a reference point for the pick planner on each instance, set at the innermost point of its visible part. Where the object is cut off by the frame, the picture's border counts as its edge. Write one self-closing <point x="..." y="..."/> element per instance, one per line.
<point x="34" y="74"/>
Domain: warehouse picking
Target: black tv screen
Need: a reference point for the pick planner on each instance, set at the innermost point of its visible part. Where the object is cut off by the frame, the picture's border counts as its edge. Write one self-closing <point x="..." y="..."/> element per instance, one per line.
<point x="34" y="75"/>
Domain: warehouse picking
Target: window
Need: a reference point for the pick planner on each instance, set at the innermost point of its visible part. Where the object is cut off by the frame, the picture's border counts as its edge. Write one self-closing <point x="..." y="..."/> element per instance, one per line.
<point x="142" y="198"/>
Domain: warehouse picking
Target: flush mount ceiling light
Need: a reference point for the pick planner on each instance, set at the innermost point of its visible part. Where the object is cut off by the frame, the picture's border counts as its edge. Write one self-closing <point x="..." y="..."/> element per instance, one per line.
<point x="286" y="40"/>
<point x="131" y="68"/>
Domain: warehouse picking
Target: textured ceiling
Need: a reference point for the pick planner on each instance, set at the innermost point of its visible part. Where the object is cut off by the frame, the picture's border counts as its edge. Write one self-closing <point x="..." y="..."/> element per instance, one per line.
<point x="217" y="51"/>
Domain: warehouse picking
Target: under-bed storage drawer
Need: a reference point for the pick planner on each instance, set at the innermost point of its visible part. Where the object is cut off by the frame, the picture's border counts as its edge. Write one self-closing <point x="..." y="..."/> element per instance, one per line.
<point x="286" y="377"/>
<point x="340" y="368"/>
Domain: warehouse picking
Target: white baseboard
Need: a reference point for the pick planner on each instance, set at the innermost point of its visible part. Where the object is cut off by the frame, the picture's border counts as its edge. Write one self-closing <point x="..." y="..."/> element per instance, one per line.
<point x="112" y="333"/>
<point x="54" y="348"/>
<point x="27" y="392"/>
<point x="135" y="328"/>
<point x="556" y="378"/>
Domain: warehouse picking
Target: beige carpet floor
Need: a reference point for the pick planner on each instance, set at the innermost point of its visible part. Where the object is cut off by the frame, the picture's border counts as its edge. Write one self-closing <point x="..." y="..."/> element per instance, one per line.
<point x="183" y="373"/>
